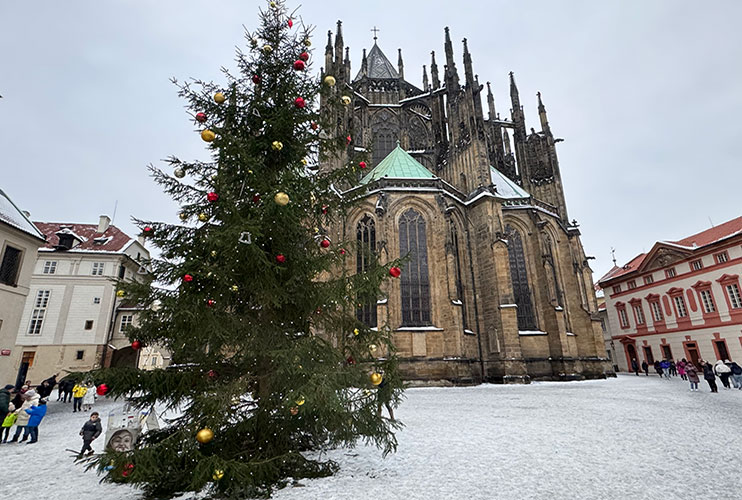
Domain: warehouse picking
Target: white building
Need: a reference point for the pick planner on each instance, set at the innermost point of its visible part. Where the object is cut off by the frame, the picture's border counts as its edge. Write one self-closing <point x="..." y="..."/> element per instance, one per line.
<point x="681" y="300"/>
<point x="73" y="319"/>
<point x="19" y="239"/>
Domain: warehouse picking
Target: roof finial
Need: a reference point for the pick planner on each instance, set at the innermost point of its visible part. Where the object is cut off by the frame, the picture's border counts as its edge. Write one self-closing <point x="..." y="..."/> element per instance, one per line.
<point x="375" y="30"/>
<point x="613" y="254"/>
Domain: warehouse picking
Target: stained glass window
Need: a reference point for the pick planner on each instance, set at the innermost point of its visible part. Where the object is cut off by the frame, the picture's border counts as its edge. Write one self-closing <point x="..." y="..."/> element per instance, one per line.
<point x="366" y="237"/>
<point x="415" y="283"/>
<point x="458" y="273"/>
<point x="519" y="276"/>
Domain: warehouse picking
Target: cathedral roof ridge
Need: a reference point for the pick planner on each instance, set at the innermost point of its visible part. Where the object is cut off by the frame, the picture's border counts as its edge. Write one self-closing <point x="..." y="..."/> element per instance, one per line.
<point x="398" y="165"/>
<point x="379" y="66"/>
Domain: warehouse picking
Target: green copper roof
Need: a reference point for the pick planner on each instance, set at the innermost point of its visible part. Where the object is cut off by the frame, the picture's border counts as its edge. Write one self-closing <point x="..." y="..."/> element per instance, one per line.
<point x="398" y="165"/>
<point x="506" y="188"/>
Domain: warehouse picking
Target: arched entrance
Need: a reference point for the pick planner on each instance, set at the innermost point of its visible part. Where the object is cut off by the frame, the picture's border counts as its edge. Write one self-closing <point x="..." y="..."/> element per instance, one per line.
<point x="124" y="357"/>
<point x="631" y="355"/>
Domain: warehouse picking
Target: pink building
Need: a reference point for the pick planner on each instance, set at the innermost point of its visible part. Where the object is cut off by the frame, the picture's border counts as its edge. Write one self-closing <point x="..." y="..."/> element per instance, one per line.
<point x="682" y="299"/>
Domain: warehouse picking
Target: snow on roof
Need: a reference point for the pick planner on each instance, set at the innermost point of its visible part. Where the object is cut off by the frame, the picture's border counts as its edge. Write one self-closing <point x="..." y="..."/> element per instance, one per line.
<point x="398" y="165"/>
<point x="378" y="65"/>
<point x="111" y="240"/>
<point x="13" y="216"/>
<point x="506" y="188"/>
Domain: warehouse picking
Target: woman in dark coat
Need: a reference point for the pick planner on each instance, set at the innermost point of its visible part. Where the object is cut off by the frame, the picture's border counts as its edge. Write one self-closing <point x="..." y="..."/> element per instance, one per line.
<point x="708" y="374"/>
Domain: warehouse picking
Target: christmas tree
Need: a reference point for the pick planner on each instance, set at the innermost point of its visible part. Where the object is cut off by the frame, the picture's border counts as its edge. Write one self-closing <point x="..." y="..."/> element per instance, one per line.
<point x="254" y="294"/>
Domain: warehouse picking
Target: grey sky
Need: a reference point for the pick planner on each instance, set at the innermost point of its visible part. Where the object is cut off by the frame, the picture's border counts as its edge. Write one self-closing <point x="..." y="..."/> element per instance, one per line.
<point x="645" y="93"/>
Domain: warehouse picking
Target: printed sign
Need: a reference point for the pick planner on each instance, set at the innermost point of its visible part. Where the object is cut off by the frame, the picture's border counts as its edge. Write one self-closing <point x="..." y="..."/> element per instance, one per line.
<point x="5" y="352"/>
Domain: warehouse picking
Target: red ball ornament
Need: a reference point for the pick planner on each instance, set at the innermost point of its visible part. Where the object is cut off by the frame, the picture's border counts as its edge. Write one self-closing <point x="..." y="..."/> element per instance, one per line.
<point x="211" y="302"/>
<point x="362" y="164"/>
<point x="304" y="56"/>
<point x="200" y="117"/>
<point x="324" y="209"/>
<point x="256" y="198"/>
<point x="314" y="125"/>
<point x="324" y="243"/>
<point x="395" y="272"/>
<point x="127" y="470"/>
<point x="212" y="374"/>
<point x="348" y="139"/>
<point x="148" y="231"/>
<point x="299" y="102"/>
<point x="280" y="258"/>
<point x="299" y="65"/>
<point x="212" y="197"/>
<point x="290" y="23"/>
<point x="342" y="251"/>
<point x="136" y="345"/>
<point x="256" y="79"/>
<point x="101" y="390"/>
<point x="350" y="360"/>
<point x="187" y="278"/>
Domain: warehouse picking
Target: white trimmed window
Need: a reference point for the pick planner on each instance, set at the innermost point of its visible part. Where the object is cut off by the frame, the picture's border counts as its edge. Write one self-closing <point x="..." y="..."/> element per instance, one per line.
<point x="639" y="314"/>
<point x="631" y="284"/>
<point x="39" y="311"/>
<point x="617" y="289"/>
<point x="680" y="305"/>
<point x="670" y="273"/>
<point x="50" y="267"/>
<point x="656" y="311"/>
<point x="734" y="298"/>
<point x="708" y="301"/>
<point x="98" y="268"/>
<point x="696" y="265"/>
<point x="721" y="257"/>
<point x="648" y="280"/>
<point x="623" y="318"/>
<point x="126" y="321"/>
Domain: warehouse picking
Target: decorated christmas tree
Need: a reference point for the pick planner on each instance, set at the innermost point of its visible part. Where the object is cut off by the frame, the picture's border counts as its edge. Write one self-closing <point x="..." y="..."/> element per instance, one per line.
<point x="254" y="294"/>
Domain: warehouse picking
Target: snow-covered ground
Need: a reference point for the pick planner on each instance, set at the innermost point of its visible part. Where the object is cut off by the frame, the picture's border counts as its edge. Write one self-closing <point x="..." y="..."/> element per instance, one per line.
<point x="631" y="437"/>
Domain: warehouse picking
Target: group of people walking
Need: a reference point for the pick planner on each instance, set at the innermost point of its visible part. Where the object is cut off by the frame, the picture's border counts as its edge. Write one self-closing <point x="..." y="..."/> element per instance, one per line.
<point x="726" y="370"/>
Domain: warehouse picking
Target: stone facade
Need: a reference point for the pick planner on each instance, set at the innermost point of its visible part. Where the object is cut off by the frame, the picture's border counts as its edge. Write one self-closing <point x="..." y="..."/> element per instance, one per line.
<point x="501" y="270"/>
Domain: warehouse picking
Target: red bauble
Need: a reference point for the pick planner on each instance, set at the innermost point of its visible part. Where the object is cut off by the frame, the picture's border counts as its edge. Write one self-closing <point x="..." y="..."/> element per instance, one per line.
<point x="211" y="302"/>
<point x="212" y="374"/>
<point x="290" y="23"/>
<point x="348" y="139"/>
<point x="212" y="197"/>
<point x="148" y="231"/>
<point x="187" y="278"/>
<point x="256" y="198"/>
<point x="304" y="56"/>
<point x="324" y="209"/>
<point x="299" y="65"/>
<point x="280" y="258"/>
<point x="299" y="102"/>
<point x="314" y="125"/>
<point x="362" y="164"/>
<point x="101" y="390"/>
<point x="342" y="251"/>
<point x="200" y="117"/>
<point x="127" y="470"/>
<point x="136" y="345"/>
<point x="395" y="272"/>
<point x="350" y="360"/>
<point x="256" y="79"/>
<point x="324" y="243"/>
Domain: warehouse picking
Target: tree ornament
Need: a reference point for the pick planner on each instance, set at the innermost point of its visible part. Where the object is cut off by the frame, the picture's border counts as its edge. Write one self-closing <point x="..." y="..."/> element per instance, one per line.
<point x="128" y="468"/>
<point x="281" y="199"/>
<point x="324" y="243"/>
<point x="300" y="401"/>
<point x="273" y="5"/>
<point x="299" y="65"/>
<point x="207" y="135"/>
<point x="304" y="56"/>
<point x="314" y="125"/>
<point x="136" y="345"/>
<point x="348" y="139"/>
<point x="212" y="374"/>
<point x="235" y="289"/>
<point x="290" y="22"/>
<point x="187" y="278"/>
<point x="101" y="390"/>
<point x="372" y="347"/>
<point x="307" y="42"/>
<point x="120" y="293"/>
<point x="205" y="435"/>
<point x="203" y="217"/>
<point x="299" y="102"/>
<point x="362" y="164"/>
<point x="217" y="475"/>
<point x="219" y="98"/>
<point x="256" y="198"/>
<point x="356" y="332"/>
<point x="183" y="216"/>
<point x="213" y="253"/>
<point x="211" y="302"/>
<point x="345" y="99"/>
<point x="330" y="81"/>
<point x="212" y="197"/>
<point x="256" y="79"/>
<point x="350" y="360"/>
<point x="294" y="410"/>
<point x="395" y="272"/>
<point x="342" y="251"/>
<point x="280" y="258"/>
<point x="376" y="378"/>
<point x="179" y="172"/>
<point x="148" y="231"/>
<point x="324" y="209"/>
<point x="267" y="49"/>
<point x="200" y="117"/>
<point x="277" y="145"/>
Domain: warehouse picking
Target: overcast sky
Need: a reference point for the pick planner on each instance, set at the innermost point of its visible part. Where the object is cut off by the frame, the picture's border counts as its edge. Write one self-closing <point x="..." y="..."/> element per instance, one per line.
<point x="646" y="94"/>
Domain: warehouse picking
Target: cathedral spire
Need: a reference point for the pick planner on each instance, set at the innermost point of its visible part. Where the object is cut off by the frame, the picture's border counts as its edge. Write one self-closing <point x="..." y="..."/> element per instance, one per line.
<point x="451" y="76"/>
<point x="468" y="71"/>
<point x="542" y="115"/>
<point x="491" y="103"/>
<point x="506" y="141"/>
<point x="364" y="64"/>
<point x="434" y="71"/>
<point x="514" y="92"/>
<point x="400" y="65"/>
<point x="339" y="43"/>
<point x="426" y="85"/>
<point x="328" y="54"/>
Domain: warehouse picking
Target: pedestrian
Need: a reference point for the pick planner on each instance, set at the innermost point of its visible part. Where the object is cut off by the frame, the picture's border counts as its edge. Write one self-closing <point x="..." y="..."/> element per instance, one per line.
<point x="78" y="392"/>
<point x="383" y="398"/>
<point x="36" y="415"/>
<point x="723" y="372"/>
<point x="47" y="386"/>
<point x="90" y="432"/>
<point x="88" y="400"/>
<point x="673" y="368"/>
<point x="8" y="422"/>
<point x="736" y="374"/>
<point x="658" y="368"/>
<point x="665" y="365"/>
<point x="634" y="366"/>
<point x="681" y="369"/>
<point x="30" y="399"/>
<point x="5" y="400"/>
<point x="708" y="374"/>
<point x="645" y="368"/>
<point x="692" y="373"/>
<point x="18" y="398"/>
<point x="65" y="389"/>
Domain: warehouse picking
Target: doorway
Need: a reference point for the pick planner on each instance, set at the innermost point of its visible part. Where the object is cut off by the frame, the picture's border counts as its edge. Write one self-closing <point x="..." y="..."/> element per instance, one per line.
<point x="26" y="363"/>
<point x="666" y="352"/>
<point x="648" y="355"/>
<point x="692" y="349"/>
<point x="722" y="352"/>
<point x="631" y="352"/>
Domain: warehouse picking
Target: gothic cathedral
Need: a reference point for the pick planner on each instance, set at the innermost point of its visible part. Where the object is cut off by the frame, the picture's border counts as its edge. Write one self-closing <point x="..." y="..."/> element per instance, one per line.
<point x="497" y="286"/>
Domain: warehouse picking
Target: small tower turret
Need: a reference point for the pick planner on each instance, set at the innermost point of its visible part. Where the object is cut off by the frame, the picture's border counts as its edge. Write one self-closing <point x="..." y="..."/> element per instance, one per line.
<point x="434" y="72"/>
<point x="451" y="76"/>
<point x="400" y="65"/>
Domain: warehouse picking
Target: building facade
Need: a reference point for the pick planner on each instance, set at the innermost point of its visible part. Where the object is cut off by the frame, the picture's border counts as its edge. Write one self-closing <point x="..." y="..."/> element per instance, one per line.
<point x="19" y="240"/>
<point x="680" y="300"/>
<point x="73" y="319"/>
<point x="497" y="286"/>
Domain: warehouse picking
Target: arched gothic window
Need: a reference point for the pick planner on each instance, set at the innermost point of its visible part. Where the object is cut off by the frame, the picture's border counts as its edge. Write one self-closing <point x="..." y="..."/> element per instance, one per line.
<point x="519" y="276"/>
<point x="385" y="135"/>
<point x="366" y="238"/>
<point x="418" y="133"/>
<point x="415" y="283"/>
<point x="458" y="273"/>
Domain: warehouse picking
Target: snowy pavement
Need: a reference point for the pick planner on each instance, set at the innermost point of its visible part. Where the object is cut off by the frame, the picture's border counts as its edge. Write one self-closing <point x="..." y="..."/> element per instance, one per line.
<point x="631" y="437"/>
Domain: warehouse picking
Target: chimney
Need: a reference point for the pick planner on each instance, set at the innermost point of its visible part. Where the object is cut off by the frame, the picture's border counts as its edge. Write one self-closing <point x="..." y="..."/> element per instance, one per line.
<point x="103" y="224"/>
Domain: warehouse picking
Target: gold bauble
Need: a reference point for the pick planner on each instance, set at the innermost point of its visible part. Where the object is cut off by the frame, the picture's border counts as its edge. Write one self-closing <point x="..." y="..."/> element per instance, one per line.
<point x="372" y="347"/>
<point x="179" y="172"/>
<point x="267" y="49"/>
<point x="376" y="378"/>
<point x="330" y="80"/>
<point x="219" y="98"/>
<point x="218" y="474"/>
<point x="207" y="135"/>
<point x="273" y="5"/>
<point x="355" y="331"/>
<point x="183" y="216"/>
<point x="304" y="161"/>
<point x="281" y="198"/>
<point x="235" y="288"/>
<point x="203" y="217"/>
<point x="307" y="43"/>
<point x="213" y="253"/>
<point x="120" y="293"/>
<point x="205" y="435"/>
<point x="300" y="401"/>
<point x="346" y="99"/>
<point x="277" y="145"/>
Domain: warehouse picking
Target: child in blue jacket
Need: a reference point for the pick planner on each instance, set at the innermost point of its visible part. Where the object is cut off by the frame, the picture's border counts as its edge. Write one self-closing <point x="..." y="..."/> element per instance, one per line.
<point x="37" y="414"/>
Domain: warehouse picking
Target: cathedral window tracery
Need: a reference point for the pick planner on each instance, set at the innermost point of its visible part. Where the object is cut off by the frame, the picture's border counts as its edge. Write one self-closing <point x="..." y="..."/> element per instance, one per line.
<point x="519" y="277"/>
<point x="366" y="239"/>
<point x="458" y="274"/>
<point x="415" y="284"/>
<point x="385" y="135"/>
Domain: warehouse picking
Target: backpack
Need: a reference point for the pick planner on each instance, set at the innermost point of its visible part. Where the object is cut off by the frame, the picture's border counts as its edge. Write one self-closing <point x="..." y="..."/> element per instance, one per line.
<point x="10" y="419"/>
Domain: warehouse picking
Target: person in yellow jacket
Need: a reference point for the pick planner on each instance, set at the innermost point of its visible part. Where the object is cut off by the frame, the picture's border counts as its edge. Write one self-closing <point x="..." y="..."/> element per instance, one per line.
<point x="78" y="392"/>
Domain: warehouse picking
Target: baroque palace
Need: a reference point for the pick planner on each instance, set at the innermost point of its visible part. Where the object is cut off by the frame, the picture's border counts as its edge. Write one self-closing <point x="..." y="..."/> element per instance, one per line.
<point x="497" y="286"/>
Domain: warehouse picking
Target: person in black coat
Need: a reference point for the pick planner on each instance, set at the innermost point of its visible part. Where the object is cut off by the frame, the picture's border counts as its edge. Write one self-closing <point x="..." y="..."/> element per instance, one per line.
<point x="708" y="374"/>
<point x="645" y="368"/>
<point x="89" y="432"/>
<point x="5" y="400"/>
<point x="46" y="386"/>
<point x="658" y="368"/>
<point x="634" y="366"/>
<point x="64" y="390"/>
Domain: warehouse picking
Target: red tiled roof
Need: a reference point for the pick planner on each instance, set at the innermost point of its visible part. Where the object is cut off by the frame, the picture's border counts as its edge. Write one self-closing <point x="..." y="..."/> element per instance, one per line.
<point x="712" y="235"/>
<point x="112" y="240"/>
